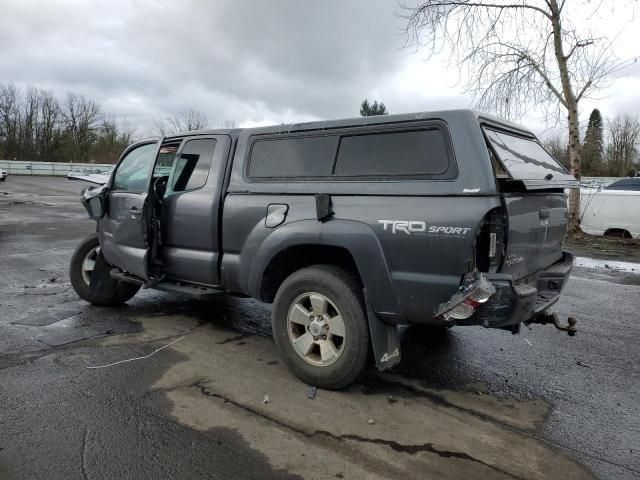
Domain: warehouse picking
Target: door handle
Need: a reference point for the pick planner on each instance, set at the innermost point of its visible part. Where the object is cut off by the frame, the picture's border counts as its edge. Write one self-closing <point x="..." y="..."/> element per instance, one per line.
<point x="134" y="211"/>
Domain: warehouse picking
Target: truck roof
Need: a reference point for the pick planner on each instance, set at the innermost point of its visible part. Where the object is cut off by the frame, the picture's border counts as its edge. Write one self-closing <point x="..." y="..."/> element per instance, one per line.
<point x="445" y="115"/>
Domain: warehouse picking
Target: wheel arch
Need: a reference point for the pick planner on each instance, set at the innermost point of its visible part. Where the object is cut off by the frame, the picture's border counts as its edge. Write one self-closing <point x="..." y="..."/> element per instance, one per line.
<point x="349" y="244"/>
<point x="618" y="232"/>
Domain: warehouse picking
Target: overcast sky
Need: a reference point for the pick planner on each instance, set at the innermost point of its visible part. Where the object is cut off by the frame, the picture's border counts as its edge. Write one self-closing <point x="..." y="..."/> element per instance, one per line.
<point x="253" y="62"/>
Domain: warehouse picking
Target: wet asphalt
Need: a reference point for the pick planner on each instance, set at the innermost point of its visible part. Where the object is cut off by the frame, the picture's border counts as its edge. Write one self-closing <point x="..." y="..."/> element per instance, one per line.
<point x="56" y="423"/>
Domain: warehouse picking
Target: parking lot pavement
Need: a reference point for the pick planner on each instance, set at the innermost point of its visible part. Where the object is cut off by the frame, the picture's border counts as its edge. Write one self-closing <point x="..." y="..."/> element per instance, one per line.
<point x="219" y="403"/>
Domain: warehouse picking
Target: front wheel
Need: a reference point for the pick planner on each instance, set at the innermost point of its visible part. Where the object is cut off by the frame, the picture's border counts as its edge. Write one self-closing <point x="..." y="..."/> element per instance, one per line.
<point x="81" y="269"/>
<point x="320" y="327"/>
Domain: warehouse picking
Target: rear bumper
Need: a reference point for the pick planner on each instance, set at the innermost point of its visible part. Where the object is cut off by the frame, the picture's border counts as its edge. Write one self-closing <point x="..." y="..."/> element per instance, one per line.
<point x="514" y="302"/>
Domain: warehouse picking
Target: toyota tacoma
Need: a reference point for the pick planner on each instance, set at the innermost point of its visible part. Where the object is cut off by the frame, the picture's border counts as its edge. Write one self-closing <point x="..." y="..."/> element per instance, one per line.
<point x="351" y="228"/>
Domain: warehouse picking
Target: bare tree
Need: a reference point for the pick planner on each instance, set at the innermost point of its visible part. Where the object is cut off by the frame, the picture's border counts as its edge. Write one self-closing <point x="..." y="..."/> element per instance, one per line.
<point x="194" y="119"/>
<point x="28" y="125"/>
<point x="29" y="122"/>
<point x="187" y="121"/>
<point x="622" y="148"/>
<point x="81" y="116"/>
<point x="229" y="124"/>
<point x="161" y="127"/>
<point x="34" y="126"/>
<point x="558" y="148"/>
<point x="518" y="53"/>
<point x="113" y="137"/>
<point x="48" y="131"/>
<point x="10" y="119"/>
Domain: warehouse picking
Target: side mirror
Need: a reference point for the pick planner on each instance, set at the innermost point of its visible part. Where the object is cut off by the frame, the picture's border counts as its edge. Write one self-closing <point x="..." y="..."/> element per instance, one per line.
<point x="95" y="208"/>
<point x="93" y="200"/>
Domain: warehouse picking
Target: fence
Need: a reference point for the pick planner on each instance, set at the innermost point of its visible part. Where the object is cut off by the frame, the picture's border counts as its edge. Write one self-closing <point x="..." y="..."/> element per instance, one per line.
<point x="58" y="169"/>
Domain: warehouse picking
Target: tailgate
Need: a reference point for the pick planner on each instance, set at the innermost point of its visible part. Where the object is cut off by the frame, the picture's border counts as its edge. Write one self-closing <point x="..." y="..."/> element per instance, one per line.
<point x="537" y="227"/>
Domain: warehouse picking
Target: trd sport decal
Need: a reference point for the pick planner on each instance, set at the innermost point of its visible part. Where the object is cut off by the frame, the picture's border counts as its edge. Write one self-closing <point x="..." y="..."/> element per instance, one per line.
<point x="411" y="227"/>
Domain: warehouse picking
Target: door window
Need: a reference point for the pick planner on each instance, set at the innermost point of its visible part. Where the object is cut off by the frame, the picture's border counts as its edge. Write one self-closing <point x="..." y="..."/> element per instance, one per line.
<point x="166" y="159"/>
<point x="133" y="172"/>
<point x="192" y="165"/>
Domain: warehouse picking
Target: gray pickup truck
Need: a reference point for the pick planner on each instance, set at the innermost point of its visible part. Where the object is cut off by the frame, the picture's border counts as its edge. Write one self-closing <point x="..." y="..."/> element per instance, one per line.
<point x="352" y="228"/>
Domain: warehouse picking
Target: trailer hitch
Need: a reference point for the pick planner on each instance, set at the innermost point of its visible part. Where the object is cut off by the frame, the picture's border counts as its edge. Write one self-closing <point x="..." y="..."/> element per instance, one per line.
<point x="544" y="318"/>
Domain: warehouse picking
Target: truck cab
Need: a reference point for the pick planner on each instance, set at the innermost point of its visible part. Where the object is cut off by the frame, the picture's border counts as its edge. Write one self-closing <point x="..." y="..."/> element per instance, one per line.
<point x="351" y="228"/>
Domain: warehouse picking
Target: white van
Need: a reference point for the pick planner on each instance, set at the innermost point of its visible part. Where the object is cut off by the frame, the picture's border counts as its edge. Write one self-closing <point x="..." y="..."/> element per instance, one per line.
<point x="611" y="211"/>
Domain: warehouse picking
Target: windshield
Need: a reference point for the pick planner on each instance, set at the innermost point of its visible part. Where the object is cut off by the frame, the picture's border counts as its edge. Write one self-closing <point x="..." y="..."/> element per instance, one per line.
<point x="524" y="158"/>
<point x="625" y="184"/>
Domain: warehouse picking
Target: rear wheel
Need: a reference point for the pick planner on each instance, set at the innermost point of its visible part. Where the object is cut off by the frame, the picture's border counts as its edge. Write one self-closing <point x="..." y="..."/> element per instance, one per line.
<point x="320" y="327"/>
<point x="80" y="271"/>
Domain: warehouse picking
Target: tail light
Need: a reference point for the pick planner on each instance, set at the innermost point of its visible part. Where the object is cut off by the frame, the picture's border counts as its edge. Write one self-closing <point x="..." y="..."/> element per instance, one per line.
<point x="491" y="241"/>
<point x="464" y="303"/>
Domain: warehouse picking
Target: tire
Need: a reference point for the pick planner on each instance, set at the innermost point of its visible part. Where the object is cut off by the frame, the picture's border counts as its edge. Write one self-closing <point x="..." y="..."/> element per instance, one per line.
<point x="346" y="343"/>
<point x="121" y="291"/>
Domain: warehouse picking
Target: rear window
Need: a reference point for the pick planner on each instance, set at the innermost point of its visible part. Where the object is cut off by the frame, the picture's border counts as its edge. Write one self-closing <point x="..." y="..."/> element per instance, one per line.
<point x="524" y="158"/>
<point x="421" y="152"/>
<point x="293" y="157"/>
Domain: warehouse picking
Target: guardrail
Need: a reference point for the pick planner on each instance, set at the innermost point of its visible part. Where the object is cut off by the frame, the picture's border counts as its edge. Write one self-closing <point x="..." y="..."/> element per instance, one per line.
<point x="58" y="169"/>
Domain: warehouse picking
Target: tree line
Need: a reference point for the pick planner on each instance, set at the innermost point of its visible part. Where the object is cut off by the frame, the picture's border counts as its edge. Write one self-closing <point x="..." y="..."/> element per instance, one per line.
<point x="35" y="125"/>
<point x="609" y="148"/>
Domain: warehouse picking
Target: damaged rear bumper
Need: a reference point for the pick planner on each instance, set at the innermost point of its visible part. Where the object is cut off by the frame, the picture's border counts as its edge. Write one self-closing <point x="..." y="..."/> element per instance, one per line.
<point x="514" y="303"/>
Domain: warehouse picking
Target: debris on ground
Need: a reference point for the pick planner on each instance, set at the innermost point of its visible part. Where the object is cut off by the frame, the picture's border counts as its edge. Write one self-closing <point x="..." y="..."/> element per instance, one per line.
<point x="371" y="421"/>
<point x="311" y="393"/>
<point x="266" y="400"/>
<point x="139" y="358"/>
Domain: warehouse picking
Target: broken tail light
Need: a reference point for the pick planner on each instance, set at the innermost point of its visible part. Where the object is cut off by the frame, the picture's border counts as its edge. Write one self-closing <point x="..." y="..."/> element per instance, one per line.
<point x="464" y="303"/>
<point x="491" y="241"/>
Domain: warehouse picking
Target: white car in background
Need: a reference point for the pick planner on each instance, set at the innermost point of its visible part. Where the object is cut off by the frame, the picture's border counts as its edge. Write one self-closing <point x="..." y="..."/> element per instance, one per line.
<point x="3" y="175"/>
<point x="613" y="210"/>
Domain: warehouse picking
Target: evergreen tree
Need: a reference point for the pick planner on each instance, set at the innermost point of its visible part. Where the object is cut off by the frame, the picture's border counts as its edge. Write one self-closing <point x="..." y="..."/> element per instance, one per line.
<point x="593" y="147"/>
<point x="368" y="110"/>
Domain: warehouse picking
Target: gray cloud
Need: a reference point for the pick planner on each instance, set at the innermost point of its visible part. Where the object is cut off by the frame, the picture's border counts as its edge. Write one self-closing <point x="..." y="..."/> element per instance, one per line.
<point x="284" y="60"/>
<point x="231" y="59"/>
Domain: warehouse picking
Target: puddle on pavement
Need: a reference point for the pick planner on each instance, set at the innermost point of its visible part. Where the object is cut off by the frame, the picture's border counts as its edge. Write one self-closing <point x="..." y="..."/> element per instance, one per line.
<point x="61" y="326"/>
<point x="48" y="317"/>
<point x="66" y="336"/>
